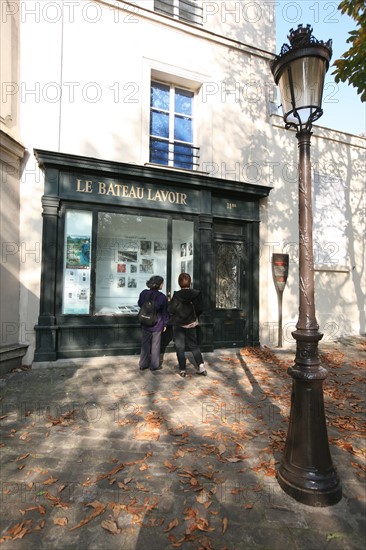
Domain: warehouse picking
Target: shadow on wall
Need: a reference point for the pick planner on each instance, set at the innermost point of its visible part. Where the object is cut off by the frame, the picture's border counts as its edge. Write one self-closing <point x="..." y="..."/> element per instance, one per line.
<point x="16" y="337"/>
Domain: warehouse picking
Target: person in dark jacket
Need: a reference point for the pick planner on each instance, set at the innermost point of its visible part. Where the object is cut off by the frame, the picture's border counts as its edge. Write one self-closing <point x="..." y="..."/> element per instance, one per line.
<point x="151" y="336"/>
<point x="184" y="309"/>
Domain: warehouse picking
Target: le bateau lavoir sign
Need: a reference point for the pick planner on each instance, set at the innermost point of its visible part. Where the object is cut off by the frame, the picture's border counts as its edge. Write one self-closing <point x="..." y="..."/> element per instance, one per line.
<point x="113" y="191"/>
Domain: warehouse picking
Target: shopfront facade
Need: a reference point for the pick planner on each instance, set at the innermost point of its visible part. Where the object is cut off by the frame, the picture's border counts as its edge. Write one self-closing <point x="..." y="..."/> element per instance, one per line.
<point x="108" y="227"/>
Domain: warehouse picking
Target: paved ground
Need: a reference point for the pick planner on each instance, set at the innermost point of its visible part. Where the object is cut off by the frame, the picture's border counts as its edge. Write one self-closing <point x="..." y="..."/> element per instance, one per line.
<point x="98" y="455"/>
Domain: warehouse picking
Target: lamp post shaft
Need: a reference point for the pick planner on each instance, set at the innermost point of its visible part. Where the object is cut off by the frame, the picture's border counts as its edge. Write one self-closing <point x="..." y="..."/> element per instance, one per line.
<point x="307" y="318"/>
<point x="306" y="472"/>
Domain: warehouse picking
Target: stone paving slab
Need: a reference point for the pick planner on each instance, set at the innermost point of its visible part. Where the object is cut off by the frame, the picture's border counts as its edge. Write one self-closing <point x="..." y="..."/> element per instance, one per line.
<point x="164" y="462"/>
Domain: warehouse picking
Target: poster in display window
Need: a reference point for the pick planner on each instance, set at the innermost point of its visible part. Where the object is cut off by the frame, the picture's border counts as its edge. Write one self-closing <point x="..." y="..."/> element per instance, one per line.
<point x="77" y="275"/>
<point x="77" y="252"/>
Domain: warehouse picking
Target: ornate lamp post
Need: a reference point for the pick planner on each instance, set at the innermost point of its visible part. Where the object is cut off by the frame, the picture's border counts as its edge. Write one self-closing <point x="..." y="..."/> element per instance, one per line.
<point x="306" y="472"/>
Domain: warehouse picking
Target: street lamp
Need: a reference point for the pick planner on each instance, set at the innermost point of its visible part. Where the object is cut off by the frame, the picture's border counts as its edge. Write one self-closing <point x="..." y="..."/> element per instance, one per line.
<point x="306" y="472"/>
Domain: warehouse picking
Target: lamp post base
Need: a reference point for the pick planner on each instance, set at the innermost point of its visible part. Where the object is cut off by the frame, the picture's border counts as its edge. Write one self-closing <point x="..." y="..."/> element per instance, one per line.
<point x="306" y="472"/>
<point x="324" y="492"/>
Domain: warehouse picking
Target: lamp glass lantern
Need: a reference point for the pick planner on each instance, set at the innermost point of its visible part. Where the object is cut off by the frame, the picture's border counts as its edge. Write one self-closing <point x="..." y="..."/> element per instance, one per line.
<point x="306" y="471"/>
<point x="299" y="71"/>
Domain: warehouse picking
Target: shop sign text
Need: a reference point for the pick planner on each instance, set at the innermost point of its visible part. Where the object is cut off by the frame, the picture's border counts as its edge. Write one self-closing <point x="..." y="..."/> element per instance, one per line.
<point x="130" y="192"/>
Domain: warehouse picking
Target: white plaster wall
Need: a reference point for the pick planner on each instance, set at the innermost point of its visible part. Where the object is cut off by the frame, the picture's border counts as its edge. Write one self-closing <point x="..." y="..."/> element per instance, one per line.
<point x="11" y="153"/>
<point x="85" y="84"/>
<point x="340" y="286"/>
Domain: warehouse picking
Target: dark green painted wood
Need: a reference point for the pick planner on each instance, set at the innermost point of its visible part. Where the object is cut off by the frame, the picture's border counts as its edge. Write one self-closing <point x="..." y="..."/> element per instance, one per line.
<point x="208" y="198"/>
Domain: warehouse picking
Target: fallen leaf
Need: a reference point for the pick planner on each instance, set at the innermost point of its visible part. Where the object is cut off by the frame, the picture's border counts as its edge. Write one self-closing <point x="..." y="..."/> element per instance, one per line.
<point x="22" y="457"/>
<point x="171" y="525"/>
<point x="99" y="509"/>
<point x="111" y="526"/>
<point x="202" y="497"/>
<point x="19" y="530"/>
<point x="40" y="525"/>
<point x="221" y="448"/>
<point x="50" y="481"/>
<point x="56" y="501"/>
<point x="66" y="418"/>
<point x="60" y="521"/>
<point x="225" y="523"/>
<point x="141" y="487"/>
<point x="169" y="465"/>
<point x="193" y="481"/>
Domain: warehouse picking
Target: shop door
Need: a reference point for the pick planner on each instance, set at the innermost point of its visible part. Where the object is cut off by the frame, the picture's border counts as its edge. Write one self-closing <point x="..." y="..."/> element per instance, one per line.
<point x="229" y="313"/>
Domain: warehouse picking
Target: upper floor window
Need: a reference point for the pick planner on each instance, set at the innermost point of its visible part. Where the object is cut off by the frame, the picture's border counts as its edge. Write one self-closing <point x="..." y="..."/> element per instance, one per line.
<point x="185" y="10"/>
<point x="171" y="126"/>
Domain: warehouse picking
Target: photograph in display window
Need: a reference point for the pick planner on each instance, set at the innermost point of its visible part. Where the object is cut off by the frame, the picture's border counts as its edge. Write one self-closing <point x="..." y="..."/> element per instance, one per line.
<point x="145" y="248"/>
<point x="160" y="247"/>
<point x="147" y="266"/>
<point x="122" y="274"/>
<point x="121" y="282"/>
<point x="186" y="254"/>
<point x="127" y="256"/>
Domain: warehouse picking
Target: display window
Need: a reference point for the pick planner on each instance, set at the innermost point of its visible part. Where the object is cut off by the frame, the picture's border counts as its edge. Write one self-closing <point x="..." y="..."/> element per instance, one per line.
<point x="182" y="250"/>
<point x="77" y="262"/>
<point x="129" y="249"/>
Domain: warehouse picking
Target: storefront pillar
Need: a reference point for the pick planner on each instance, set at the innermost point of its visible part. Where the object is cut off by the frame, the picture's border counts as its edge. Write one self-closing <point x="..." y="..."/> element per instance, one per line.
<point x="206" y="280"/>
<point x="46" y="330"/>
<point x="252" y="298"/>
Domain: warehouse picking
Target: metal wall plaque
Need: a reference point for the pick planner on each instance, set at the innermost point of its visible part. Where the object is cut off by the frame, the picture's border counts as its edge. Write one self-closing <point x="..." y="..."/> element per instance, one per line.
<point x="280" y="263"/>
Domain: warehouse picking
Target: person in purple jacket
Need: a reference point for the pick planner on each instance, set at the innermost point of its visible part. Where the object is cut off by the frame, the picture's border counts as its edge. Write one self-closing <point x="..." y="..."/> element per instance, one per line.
<point x="151" y="336"/>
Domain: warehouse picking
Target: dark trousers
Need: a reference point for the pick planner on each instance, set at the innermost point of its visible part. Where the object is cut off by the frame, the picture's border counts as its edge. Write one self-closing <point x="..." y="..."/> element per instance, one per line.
<point x="150" y="350"/>
<point x="186" y="337"/>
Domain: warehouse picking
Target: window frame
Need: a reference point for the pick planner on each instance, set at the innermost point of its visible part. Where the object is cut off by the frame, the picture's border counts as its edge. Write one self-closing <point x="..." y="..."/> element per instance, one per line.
<point x="95" y="210"/>
<point x="175" y="9"/>
<point x="172" y="115"/>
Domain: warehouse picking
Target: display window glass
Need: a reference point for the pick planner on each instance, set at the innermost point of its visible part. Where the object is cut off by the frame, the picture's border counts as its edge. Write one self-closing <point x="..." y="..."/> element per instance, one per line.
<point x="127" y="251"/>
<point x="130" y="249"/>
<point x="182" y="250"/>
<point x="77" y="262"/>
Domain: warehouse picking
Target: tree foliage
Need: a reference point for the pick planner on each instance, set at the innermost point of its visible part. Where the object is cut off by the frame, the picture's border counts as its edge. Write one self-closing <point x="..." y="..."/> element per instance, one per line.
<point x="351" y="66"/>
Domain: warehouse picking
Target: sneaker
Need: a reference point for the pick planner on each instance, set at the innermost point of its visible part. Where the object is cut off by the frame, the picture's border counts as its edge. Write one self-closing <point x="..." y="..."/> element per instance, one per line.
<point x="182" y="373"/>
<point x="201" y="370"/>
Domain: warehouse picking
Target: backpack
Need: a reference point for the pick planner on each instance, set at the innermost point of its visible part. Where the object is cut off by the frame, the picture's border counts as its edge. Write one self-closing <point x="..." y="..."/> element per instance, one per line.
<point x="182" y="313"/>
<point x="148" y="315"/>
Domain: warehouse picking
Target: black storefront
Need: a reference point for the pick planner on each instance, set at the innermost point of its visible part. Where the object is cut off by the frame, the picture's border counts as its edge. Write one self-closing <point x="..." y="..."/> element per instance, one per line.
<point x="108" y="226"/>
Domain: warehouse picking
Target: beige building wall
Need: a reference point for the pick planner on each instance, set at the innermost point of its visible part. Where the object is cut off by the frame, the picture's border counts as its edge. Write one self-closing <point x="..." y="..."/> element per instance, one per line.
<point x="85" y="89"/>
<point x="339" y="233"/>
<point x="12" y="340"/>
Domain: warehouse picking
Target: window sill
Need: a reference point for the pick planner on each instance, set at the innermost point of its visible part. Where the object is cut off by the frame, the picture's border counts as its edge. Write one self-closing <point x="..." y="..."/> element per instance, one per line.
<point x="332" y="268"/>
<point x="175" y="169"/>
